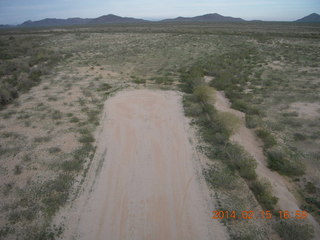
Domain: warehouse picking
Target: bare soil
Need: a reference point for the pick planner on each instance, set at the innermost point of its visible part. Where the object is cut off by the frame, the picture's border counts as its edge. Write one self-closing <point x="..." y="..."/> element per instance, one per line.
<point x="145" y="180"/>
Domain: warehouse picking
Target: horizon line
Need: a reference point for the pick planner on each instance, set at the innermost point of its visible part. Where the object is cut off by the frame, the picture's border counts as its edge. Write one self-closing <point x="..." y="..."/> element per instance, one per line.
<point x="155" y="19"/>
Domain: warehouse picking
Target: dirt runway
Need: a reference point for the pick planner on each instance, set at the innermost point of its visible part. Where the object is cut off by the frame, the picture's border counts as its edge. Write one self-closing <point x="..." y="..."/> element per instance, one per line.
<point x="149" y="184"/>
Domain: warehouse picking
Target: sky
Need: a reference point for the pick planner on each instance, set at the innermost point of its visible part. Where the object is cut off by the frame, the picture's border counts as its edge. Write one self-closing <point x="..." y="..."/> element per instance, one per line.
<point x="18" y="11"/>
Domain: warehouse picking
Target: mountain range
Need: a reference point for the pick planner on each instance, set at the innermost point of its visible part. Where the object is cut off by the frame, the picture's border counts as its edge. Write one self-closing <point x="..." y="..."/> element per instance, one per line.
<point x="49" y="22"/>
<point x="112" y="19"/>
<point x="314" y="17"/>
<point x="212" y="17"/>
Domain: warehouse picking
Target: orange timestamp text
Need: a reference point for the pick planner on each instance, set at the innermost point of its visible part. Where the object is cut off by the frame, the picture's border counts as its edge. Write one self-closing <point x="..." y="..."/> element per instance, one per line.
<point x="259" y="215"/>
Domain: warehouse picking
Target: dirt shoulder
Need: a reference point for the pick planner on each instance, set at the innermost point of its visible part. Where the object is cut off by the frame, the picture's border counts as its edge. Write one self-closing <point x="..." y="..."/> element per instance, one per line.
<point x="149" y="183"/>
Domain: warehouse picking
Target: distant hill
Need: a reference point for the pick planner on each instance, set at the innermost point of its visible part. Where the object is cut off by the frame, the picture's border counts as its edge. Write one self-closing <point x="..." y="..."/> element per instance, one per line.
<point x="212" y="17"/>
<point x="115" y="19"/>
<point x="112" y="19"/>
<point x="6" y="26"/>
<point x="314" y="17"/>
<point x="50" y="22"/>
<point x="106" y="19"/>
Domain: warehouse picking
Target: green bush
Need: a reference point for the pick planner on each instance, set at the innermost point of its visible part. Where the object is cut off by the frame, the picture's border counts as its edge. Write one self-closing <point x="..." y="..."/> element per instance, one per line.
<point x="230" y="122"/>
<point x="104" y="87"/>
<point x="17" y="170"/>
<point x="82" y="153"/>
<point x="294" y="230"/>
<point x="310" y="188"/>
<point x="252" y="121"/>
<point x="191" y="78"/>
<point x="284" y="161"/>
<point x="299" y="137"/>
<point x="267" y="138"/>
<point x="262" y="192"/>
<point x="192" y="109"/>
<point x="7" y="93"/>
<point x="203" y="93"/>
<point x="239" y="105"/>
<point x="163" y="80"/>
<point x="239" y="159"/>
<point x="139" y="81"/>
<point x="56" y="193"/>
<point x="54" y="150"/>
<point x="56" y="114"/>
<point x="42" y="139"/>
<point x="220" y="177"/>
<point x="74" y="120"/>
<point x="86" y="138"/>
<point x="72" y="165"/>
<point x="23" y="62"/>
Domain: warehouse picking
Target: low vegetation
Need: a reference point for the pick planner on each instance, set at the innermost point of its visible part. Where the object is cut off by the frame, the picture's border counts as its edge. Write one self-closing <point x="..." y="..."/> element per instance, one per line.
<point x="269" y="71"/>
<point x="293" y="229"/>
<point x="265" y="79"/>
<point x="24" y="60"/>
<point x="215" y="129"/>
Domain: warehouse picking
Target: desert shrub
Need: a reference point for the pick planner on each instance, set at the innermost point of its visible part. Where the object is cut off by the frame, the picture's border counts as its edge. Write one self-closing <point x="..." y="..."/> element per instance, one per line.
<point x="208" y="134"/>
<point x="54" y="150"/>
<point x="34" y="76"/>
<point x="93" y="116"/>
<point x="55" y="193"/>
<point x="292" y="122"/>
<point x="308" y="207"/>
<point x="56" y="114"/>
<point x="17" y="170"/>
<point x="83" y="152"/>
<point x="220" y="177"/>
<point x="163" y="80"/>
<point x="249" y="232"/>
<point x="104" y="87"/>
<point x="86" y="138"/>
<point x="7" y="93"/>
<point x="5" y="230"/>
<point x="74" y="119"/>
<point x="22" y="215"/>
<point x="284" y="161"/>
<point x="267" y="138"/>
<point x="42" y="233"/>
<point x="239" y="159"/>
<point x="203" y="93"/>
<point x="191" y="78"/>
<point x="139" y="81"/>
<point x="209" y="110"/>
<point x="21" y="61"/>
<point x="262" y="192"/>
<point x="72" y="165"/>
<point x="42" y="139"/>
<point x="252" y="121"/>
<point x="192" y="110"/>
<point x="52" y="98"/>
<point x="6" y="188"/>
<point x="230" y="122"/>
<point x="240" y="105"/>
<point x="310" y="188"/>
<point x="299" y="137"/>
<point x="292" y="229"/>
<point x="290" y="114"/>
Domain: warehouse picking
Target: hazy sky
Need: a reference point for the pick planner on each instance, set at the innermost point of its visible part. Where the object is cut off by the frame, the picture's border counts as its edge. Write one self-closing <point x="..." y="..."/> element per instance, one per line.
<point x="18" y="11"/>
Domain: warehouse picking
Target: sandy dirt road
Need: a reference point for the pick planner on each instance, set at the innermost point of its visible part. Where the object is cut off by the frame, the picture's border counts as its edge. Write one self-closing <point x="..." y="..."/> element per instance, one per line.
<point x="149" y="184"/>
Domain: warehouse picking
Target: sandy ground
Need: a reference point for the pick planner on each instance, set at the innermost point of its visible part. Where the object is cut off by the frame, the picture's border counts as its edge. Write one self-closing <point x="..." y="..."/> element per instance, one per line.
<point x="247" y="139"/>
<point x="145" y="181"/>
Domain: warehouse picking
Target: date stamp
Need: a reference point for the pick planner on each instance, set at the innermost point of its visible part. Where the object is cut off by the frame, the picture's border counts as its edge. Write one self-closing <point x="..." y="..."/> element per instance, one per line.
<point x="259" y="215"/>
